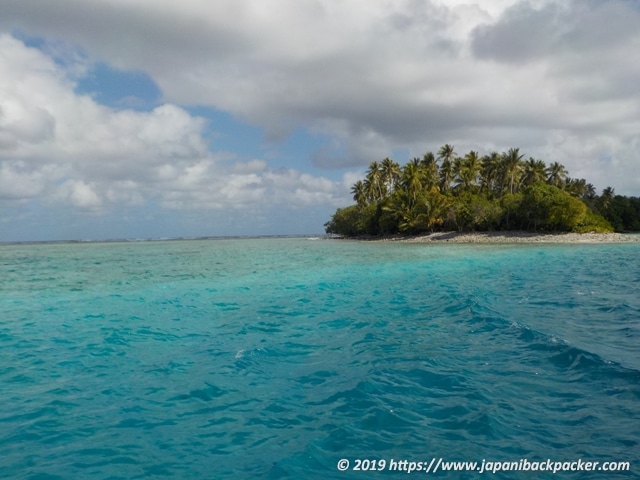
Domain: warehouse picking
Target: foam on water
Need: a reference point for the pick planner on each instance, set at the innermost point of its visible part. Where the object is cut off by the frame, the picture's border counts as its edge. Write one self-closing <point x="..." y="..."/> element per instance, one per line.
<point x="275" y="358"/>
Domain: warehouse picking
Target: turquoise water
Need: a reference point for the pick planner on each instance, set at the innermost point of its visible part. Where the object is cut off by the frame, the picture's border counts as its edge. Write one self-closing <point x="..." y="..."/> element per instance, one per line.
<point x="276" y="358"/>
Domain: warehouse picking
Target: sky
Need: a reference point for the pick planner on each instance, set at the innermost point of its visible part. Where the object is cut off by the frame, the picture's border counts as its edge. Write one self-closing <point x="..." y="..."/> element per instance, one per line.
<point x="156" y="118"/>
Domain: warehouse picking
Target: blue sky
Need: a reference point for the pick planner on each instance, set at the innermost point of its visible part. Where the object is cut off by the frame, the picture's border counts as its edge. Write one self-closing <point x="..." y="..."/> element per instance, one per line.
<point x="149" y="119"/>
<point x="137" y="90"/>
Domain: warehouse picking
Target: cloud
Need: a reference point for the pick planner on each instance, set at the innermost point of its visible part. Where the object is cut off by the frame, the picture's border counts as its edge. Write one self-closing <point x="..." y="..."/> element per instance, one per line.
<point x="79" y="194"/>
<point x="555" y="78"/>
<point x="63" y="148"/>
<point x="252" y="166"/>
<point x="526" y="32"/>
<point x="20" y="182"/>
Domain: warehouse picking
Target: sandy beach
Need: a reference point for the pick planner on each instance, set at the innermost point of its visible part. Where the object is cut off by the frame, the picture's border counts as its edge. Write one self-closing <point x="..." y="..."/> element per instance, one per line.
<point x="515" y="237"/>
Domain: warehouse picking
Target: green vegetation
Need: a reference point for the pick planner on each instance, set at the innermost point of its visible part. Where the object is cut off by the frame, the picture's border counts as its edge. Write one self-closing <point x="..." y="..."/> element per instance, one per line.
<point x="499" y="191"/>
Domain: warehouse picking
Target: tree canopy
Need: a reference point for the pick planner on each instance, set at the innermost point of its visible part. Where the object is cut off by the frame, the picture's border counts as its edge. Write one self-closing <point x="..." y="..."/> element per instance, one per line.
<point x="498" y="191"/>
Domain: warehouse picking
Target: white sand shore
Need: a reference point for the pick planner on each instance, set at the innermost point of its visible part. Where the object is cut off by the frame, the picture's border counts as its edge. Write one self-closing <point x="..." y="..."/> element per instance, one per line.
<point x="516" y="237"/>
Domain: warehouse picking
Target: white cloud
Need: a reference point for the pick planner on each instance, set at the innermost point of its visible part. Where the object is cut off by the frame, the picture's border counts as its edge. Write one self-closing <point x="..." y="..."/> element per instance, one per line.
<point x="20" y="123"/>
<point x="252" y="166"/>
<point x="19" y="182"/>
<point x="79" y="194"/>
<point x="554" y="77"/>
<point x="57" y="146"/>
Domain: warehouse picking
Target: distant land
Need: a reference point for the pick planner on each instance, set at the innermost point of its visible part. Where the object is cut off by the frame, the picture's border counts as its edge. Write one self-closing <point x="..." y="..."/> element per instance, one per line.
<point x="473" y="193"/>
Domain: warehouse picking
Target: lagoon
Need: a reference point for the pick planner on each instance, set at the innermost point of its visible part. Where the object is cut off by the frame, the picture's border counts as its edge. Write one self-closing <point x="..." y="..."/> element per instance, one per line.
<point x="278" y="357"/>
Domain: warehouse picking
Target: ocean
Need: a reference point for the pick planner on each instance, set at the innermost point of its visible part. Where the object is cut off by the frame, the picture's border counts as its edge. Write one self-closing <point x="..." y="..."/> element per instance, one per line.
<point x="311" y="358"/>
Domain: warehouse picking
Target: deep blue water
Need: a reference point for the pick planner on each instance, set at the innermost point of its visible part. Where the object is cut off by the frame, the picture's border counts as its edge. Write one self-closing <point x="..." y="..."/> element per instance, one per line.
<point x="276" y="358"/>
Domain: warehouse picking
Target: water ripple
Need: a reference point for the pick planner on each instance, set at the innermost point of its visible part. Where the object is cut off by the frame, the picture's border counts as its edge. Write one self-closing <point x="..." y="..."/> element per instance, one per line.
<point x="276" y="358"/>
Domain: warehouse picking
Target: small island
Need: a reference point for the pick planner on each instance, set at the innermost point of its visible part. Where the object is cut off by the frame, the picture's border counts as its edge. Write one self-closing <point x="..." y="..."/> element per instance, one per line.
<point x="491" y="197"/>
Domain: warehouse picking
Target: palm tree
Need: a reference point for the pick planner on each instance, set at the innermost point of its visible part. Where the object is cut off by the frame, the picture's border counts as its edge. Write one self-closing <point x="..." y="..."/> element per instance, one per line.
<point x="359" y="193"/>
<point x="411" y="180"/>
<point x="376" y="184"/>
<point x="429" y="167"/>
<point x="457" y="171"/>
<point x="576" y="187"/>
<point x="446" y="152"/>
<point x="429" y="159"/>
<point x="489" y="172"/>
<point x="512" y="163"/>
<point x="534" y="171"/>
<point x="470" y="169"/>
<point x="438" y="204"/>
<point x="607" y="197"/>
<point x="430" y="209"/>
<point x="371" y="190"/>
<point x="415" y="215"/>
<point x="446" y="175"/>
<point x="390" y="172"/>
<point x="556" y="174"/>
<point x="402" y="208"/>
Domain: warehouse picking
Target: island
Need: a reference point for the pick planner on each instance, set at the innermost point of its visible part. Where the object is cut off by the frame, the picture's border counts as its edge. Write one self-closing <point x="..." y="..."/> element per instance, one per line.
<point x="495" y="193"/>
